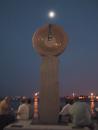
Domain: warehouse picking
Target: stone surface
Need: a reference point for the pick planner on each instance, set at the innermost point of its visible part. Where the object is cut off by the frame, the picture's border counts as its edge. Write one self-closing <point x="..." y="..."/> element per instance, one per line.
<point x="49" y="91"/>
<point x="26" y="125"/>
<point x="49" y="41"/>
<point x="54" y="46"/>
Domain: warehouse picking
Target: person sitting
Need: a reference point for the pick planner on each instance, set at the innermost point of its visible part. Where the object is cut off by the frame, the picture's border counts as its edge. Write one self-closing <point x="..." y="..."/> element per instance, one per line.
<point x="6" y="115"/>
<point x="5" y="106"/>
<point x="65" y="112"/>
<point x="81" y="115"/>
<point x="23" y="112"/>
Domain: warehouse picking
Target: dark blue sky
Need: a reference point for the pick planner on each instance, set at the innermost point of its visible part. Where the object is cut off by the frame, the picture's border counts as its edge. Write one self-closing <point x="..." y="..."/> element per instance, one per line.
<point x="19" y="62"/>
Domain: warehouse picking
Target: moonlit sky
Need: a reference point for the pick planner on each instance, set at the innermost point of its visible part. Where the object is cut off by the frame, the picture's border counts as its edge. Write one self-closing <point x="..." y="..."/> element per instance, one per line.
<point x="20" y="63"/>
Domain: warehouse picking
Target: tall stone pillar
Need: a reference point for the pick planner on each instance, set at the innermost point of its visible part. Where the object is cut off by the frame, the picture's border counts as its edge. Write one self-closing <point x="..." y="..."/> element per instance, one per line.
<point x="49" y="91"/>
<point x="50" y="41"/>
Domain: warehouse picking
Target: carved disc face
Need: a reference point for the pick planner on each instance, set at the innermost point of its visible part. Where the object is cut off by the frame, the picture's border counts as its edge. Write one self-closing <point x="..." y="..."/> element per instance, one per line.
<point x="50" y="40"/>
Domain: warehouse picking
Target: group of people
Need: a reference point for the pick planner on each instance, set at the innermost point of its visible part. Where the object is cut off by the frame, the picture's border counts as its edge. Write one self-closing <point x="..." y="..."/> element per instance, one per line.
<point x="78" y="112"/>
<point x="23" y="112"/>
<point x="8" y="115"/>
<point x="75" y="111"/>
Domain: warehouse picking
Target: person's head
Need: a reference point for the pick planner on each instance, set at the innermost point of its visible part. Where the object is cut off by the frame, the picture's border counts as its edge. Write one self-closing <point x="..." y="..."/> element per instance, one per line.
<point x="76" y="99"/>
<point x="8" y="99"/>
<point x="70" y="101"/>
<point x="23" y="100"/>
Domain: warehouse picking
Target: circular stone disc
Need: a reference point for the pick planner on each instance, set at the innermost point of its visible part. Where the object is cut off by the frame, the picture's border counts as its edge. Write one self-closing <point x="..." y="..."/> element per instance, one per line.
<point x="50" y="41"/>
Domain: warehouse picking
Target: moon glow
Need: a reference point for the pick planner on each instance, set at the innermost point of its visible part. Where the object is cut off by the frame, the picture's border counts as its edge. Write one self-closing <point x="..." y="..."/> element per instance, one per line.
<point x="51" y="14"/>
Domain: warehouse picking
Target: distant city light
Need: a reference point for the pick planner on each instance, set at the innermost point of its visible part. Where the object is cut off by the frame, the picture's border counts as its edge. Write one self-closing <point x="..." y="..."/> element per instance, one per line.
<point x="97" y="97"/>
<point x="36" y="94"/>
<point x="92" y="94"/>
<point x="35" y="114"/>
<point x="51" y="14"/>
<point x="81" y="97"/>
<point x="73" y="94"/>
<point x="92" y="97"/>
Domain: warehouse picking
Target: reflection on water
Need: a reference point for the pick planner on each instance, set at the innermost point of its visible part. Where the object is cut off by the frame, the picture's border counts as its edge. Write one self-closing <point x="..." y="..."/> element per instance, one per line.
<point x="35" y="106"/>
<point x="92" y="106"/>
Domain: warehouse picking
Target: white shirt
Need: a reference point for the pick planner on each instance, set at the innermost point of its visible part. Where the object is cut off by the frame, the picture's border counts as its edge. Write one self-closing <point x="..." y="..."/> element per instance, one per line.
<point x="23" y="111"/>
<point x="81" y="113"/>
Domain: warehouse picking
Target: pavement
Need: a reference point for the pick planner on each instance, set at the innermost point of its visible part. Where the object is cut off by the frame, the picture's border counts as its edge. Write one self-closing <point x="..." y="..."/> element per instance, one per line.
<point x="27" y="125"/>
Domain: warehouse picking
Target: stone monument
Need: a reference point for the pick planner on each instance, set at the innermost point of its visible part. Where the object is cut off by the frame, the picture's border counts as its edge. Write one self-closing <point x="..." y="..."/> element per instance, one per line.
<point x="49" y="41"/>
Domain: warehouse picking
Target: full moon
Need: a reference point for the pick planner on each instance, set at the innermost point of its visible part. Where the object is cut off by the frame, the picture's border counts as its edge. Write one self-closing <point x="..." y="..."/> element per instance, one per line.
<point x="51" y="14"/>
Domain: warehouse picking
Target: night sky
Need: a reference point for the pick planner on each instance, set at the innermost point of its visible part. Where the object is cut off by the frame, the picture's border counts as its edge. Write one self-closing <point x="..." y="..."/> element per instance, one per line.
<point x="20" y="63"/>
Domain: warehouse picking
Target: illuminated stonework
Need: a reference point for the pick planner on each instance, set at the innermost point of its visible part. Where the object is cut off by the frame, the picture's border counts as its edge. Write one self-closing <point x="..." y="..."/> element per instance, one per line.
<point x="53" y="46"/>
<point x="49" y="41"/>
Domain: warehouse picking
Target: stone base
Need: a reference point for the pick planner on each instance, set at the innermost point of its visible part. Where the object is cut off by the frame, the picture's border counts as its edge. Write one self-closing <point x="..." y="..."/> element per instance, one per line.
<point x="27" y="125"/>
